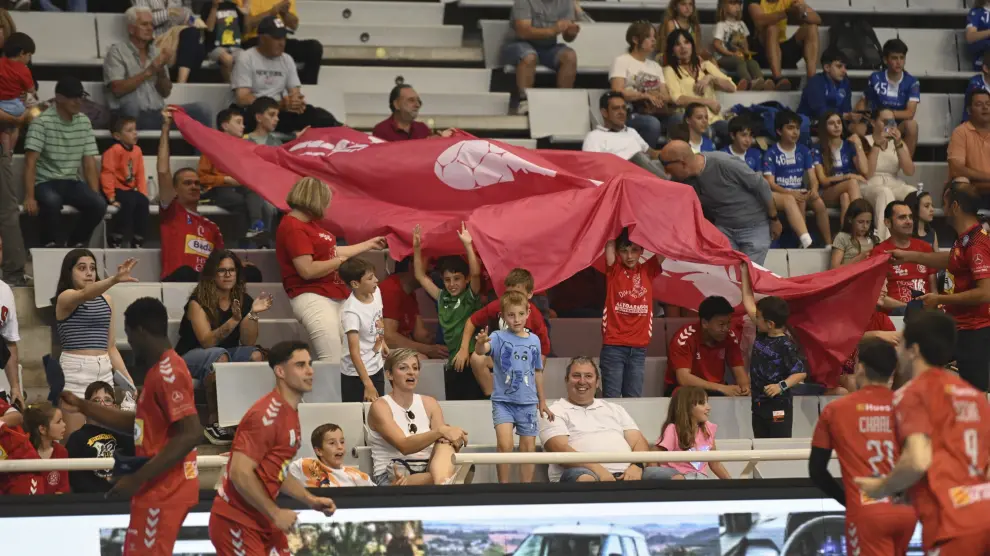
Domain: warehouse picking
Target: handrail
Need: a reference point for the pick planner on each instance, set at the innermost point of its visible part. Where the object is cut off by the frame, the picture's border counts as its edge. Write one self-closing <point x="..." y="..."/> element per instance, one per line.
<point x="86" y="464"/>
<point x="791" y="454"/>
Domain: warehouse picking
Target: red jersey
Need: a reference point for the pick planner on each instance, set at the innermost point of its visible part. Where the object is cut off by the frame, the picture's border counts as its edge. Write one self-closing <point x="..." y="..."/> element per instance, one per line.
<point x="167" y="397"/>
<point x="399" y="305"/>
<point x="57" y="482"/>
<point x="6" y="408"/>
<point x="14" y="444"/>
<point x="904" y="277"/>
<point x="15" y="79"/>
<point x="269" y="434"/>
<point x="969" y="262"/>
<point x="879" y="322"/>
<point x="628" y="316"/>
<point x="688" y="350"/>
<point x="296" y="238"/>
<point x="534" y="323"/>
<point x="188" y="238"/>
<point x="953" y="498"/>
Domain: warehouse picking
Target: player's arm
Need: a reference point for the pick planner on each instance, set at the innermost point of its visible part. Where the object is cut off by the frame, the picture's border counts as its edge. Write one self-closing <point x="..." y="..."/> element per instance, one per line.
<point x="296" y="489"/>
<point x="916" y="458"/>
<point x="419" y="269"/>
<point x="474" y="266"/>
<point x="242" y="474"/>
<point x="610" y="252"/>
<point x="938" y="260"/>
<point x="110" y="417"/>
<point x="820" y="476"/>
<point x="976" y="296"/>
<point x="188" y="434"/>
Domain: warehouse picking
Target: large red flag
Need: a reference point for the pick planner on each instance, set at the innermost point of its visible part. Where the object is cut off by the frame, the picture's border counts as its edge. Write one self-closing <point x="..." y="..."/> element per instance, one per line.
<point x="548" y="211"/>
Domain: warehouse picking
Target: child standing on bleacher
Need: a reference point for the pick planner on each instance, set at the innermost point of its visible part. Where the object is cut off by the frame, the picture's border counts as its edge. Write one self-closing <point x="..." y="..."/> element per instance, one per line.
<point x="517" y="397"/>
<point x="361" y="376"/>
<point x="687" y="429"/>
<point x="16" y="84"/>
<point x="776" y="364"/>
<point x="125" y="184"/>
<point x="627" y="323"/>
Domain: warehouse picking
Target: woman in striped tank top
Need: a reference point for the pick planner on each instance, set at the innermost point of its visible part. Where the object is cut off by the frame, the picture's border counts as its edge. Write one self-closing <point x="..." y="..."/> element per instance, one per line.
<point x="84" y="322"/>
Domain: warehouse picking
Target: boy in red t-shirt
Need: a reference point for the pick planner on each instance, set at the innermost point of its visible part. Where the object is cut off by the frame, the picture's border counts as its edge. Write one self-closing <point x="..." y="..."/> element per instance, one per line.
<point x="627" y="322"/>
<point x="16" y="84"/>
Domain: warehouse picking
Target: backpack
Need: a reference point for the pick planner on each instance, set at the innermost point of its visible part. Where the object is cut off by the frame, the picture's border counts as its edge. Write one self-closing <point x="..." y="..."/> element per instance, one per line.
<point x="856" y="39"/>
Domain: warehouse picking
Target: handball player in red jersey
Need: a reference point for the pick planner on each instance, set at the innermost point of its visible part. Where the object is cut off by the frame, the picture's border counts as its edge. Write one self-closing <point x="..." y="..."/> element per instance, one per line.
<point x="942" y="424"/>
<point x="245" y="520"/>
<point x="166" y="429"/>
<point x="859" y="427"/>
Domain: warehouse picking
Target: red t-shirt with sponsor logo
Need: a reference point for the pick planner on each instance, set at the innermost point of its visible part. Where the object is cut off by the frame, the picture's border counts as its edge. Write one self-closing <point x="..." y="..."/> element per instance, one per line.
<point x="860" y="428"/>
<point x="968" y="263"/>
<point x="628" y="316"/>
<point x="399" y="305"/>
<point x="296" y="238"/>
<point x="187" y="238"/>
<point x="953" y="497"/>
<point x="534" y="323"/>
<point x="14" y="444"/>
<point x="167" y="397"/>
<point x="269" y="434"/>
<point x="904" y="277"/>
<point x="688" y="350"/>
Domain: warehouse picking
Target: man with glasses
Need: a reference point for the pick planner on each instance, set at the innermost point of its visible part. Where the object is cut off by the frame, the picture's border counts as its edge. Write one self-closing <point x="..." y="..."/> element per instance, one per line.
<point x="969" y="147"/>
<point x="735" y="197"/>
<point x="404" y="102"/>
<point x="94" y="440"/>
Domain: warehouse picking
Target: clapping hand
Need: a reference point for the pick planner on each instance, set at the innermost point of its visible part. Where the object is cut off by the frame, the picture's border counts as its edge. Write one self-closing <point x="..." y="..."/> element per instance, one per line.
<point x="262" y="303"/>
<point x="124" y="271"/>
<point x="235" y="311"/>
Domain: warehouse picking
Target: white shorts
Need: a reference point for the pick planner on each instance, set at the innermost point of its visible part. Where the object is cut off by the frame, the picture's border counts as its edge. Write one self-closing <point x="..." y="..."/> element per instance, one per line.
<point x="82" y="370"/>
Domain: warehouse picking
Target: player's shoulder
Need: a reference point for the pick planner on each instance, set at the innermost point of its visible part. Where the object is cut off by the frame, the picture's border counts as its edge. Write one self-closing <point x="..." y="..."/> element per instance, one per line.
<point x="687" y="335"/>
<point x="168" y="369"/>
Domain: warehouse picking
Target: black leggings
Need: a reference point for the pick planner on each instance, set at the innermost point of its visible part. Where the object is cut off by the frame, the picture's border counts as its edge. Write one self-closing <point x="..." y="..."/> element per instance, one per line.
<point x="190" y="53"/>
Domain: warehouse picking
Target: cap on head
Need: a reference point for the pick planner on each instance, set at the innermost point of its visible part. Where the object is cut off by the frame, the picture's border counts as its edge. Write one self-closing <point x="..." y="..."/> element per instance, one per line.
<point x="70" y="87"/>
<point x="273" y="27"/>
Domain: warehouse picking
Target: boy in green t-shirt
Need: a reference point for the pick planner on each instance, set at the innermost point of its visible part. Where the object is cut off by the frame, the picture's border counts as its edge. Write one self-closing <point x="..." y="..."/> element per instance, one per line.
<point x="456" y="302"/>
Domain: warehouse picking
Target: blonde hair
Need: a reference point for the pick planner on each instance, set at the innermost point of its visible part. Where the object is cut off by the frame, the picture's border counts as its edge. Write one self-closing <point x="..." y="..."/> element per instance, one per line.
<point x="513" y="299"/>
<point x="310" y="196"/>
<point x="396" y="356"/>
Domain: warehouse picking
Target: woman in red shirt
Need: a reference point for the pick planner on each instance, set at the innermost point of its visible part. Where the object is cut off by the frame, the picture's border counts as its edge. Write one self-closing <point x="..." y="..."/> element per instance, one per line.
<point x="308" y="257"/>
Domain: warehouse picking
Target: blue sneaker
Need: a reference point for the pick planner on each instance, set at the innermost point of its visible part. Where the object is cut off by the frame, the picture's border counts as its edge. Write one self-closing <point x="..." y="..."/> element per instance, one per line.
<point x="255" y="230"/>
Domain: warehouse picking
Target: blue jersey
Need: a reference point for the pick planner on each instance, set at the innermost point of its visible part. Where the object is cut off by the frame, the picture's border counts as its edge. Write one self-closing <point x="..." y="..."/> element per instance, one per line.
<point x="788" y="168"/>
<point x="821" y="95"/>
<point x="979" y="19"/>
<point x="881" y="93"/>
<point x="515" y="361"/>
<point x="753" y="157"/>
<point x="706" y="146"/>
<point x="843" y="160"/>
<point x="975" y="84"/>
<point x="773" y="360"/>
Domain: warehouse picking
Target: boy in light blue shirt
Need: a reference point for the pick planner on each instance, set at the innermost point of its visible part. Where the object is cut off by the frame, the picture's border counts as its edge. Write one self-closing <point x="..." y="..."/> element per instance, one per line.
<point x="517" y="397"/>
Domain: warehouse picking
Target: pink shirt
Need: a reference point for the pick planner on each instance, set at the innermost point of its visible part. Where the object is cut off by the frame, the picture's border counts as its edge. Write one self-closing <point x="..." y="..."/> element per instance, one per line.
<point x="668" y="441"/>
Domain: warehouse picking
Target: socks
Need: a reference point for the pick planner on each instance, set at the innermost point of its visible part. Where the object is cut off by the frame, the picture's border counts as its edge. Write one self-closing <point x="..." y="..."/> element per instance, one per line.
<point x="805" y="241"/>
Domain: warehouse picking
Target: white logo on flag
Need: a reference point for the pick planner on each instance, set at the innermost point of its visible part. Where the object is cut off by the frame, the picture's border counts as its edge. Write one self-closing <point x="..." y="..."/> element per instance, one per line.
<point x="474" y="164"/>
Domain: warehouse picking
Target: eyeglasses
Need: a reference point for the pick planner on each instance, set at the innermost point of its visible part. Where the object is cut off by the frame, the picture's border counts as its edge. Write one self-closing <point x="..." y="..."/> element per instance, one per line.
<point x="412" y="426"/>
<point x="226" y="271"/>
<point x="103" y="400"/>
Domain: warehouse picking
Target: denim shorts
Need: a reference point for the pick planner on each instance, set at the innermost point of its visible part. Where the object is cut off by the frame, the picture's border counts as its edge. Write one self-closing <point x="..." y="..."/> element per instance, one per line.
<point x="523" y="416"/>
<point x="514" y="52"/>
<point x="200" y="361"/>
<point x="15" y="106"/>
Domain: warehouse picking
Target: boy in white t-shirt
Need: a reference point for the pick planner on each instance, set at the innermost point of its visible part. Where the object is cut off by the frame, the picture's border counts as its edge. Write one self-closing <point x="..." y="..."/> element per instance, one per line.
<point x="361" y="376"/>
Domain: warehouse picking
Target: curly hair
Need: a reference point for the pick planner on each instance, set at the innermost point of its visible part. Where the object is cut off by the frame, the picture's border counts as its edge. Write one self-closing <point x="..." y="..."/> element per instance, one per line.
<point x="206" y="294"/>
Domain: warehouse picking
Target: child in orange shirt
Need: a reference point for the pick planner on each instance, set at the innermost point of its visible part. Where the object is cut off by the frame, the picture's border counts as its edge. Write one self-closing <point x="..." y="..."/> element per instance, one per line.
<point x="125" y="184"/>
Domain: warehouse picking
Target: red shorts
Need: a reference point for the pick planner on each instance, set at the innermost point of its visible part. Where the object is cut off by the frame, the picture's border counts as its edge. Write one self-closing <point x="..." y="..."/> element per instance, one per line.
<point x="975" y="544"/>
<point x="231" y="538"/>
<point x="880" y="533"/>
<point x="153" y="530"/>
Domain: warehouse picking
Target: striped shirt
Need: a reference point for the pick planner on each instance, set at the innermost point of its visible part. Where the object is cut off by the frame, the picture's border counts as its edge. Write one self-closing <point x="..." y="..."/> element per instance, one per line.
<point x="61" y="145"/>
<point x="88" y="327"/>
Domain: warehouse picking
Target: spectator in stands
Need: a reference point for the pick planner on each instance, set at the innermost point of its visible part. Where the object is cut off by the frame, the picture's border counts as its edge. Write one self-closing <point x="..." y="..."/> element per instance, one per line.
<point x="691" y="80"/>
<point x="696" y="118"/>
<point x="219" y="324"/>
<point x="829" y="91"/>
<point x="136" y="71"/>
<point x="840" y="164"/>
<point x="640" y="81"/>
<point x="174" y="31"/>
<point x="768" y="20"/>
<point x="9" y="336"/>
<point x="905" y="281"/>
<point x="327" y="469"/>
<point x="267" y="71"/>
<point x="682" y="14"/>
<point x="58" y="140"/>
<point x="888" y="156"/>
<point x="969" y="146"/>
<point x="700" y="351"/>
<point x="731" y="46"/>
<point x="409" y="439"/>
<point x="536" y="24"/>
<point x="404" y="102"/>
<point x="44" y="425"/>
<point x="224" y="32"/>
<point x="584" y="424"/>
<point x="361" y="376"/>
<point x="94" y="440"/>
<point x="264" y="113"/>
<point x="188" y="238"/>
<point x="857" y="237"/>
<point x="978" y="32"/>
<point x="923" y="211"/>
<point x="688" y="428"/>
<point x="125" y="184"/>
<point x="741" y="143"/>
<point x="789" y="168"/>
<point x="307" y="53"/>
<point x="404" y="328"/>
<point x="84" y="324"/>
<point x="10" y="416"/>
<point x="979" y="82"/>
<point x="615" y="137"/>
<point x="16" y="85"/>
<point x="895" y="89"/>
<point x="308" y="256"/>
<point x="10" y="225"/>
<point x="736" y="197"/>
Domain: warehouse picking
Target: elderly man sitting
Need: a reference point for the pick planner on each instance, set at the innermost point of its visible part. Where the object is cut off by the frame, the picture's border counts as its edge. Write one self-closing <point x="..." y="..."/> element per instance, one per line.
<point x="583" y="424"/>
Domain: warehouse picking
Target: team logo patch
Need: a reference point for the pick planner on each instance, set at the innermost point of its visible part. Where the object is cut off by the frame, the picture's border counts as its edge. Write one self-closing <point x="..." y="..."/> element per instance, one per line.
<point x="177" y="397"/>
<point x="190" y="469"/>
<point x="53" y="478"/>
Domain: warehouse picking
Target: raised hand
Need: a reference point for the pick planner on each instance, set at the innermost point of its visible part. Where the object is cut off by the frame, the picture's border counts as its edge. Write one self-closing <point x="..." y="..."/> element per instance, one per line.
<point x="124" y="271"/>
<point x="262" y="303"/>
<point x="465" y="235"/>
<point x="417" y="237"/>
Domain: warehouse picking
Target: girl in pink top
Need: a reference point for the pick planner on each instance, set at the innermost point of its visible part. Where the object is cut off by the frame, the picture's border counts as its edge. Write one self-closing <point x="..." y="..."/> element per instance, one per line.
<point x="687" y="428"/>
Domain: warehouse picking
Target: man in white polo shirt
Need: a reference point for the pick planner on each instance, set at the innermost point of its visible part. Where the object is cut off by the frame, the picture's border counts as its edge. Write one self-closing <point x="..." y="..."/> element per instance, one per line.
<point x="617" y="138"/>
<point x="583" y="424"/>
